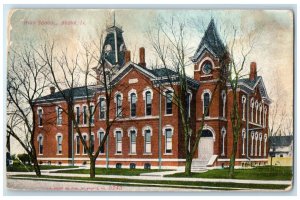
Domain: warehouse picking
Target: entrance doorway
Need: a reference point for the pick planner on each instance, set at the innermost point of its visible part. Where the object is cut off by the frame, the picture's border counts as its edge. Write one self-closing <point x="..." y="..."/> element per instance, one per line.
<point x="206" y="146"/>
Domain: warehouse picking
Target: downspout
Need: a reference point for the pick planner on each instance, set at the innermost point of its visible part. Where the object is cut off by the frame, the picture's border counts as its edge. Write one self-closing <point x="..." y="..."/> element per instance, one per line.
<point x="247" y="128"/>
<point x="159" y="131"/>
<point x="72" y="144"/>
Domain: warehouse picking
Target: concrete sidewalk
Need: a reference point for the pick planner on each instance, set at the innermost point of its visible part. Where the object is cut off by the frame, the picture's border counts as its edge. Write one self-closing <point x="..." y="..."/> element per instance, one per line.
<point x="273" y="182"/>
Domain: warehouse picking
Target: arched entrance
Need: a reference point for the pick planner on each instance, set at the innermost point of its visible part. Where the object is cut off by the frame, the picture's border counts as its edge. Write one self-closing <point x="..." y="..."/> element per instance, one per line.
<point x="206" y="145"/>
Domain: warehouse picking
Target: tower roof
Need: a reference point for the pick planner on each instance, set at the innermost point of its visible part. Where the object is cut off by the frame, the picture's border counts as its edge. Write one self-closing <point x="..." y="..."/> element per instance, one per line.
<point x="113" y="50"/>
<point x="211" y="42"/>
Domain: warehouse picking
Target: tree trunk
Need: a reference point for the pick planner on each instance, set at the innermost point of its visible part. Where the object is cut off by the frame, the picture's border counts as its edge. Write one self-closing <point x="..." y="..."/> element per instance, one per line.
<point x="8" y="142"/>
<point x="36" y="166"/>
<point x="92" y="167"/>
<point x="232" y="157"/>
<point x="188" y="165"/>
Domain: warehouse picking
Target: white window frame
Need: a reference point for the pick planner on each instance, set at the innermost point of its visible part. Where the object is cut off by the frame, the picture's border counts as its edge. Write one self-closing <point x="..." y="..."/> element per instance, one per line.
<point x="59" y="117"/>
<point x="118" y="115"/>
<point x="265" y="144"/>
<point x="132" y="91"/>
<point x="77" y="114"/>
<point x="116" y="142"/>
<point x="252" y="143"/>
<point x="265" y="114"/>
<point x="77" y="143"/>
<point x="101" y="130"/>
<point x="189" y="103"/>
<point x="252" y="109"/>
<point x="244" y="107"/>
<point x="260" y="140"/>
<point x="85" y="137"/>
<point x="57" y="144"/>
<point x="260" y="112"/>
<point x="243" y="140"/>
<point x="91" y="113"/>
<point x="147" y="89"/>
<point x="146" y="128"/>
<point x="85" y="116"/>
<point x="223" y="94"/>
<point x="100" y="107"/>
<point x="202" y="98"/>
<point x="256" y="139"/>
<point x="132" y="146"/>
<point x="164" y="134"/>
<point x="256" y="112"/>
<point x="165" y="94"/>
<point x="223" y="133"/>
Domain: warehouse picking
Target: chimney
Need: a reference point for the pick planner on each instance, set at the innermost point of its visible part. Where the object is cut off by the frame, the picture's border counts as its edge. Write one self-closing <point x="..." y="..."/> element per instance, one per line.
<point x="142" y="57"/>
<point x="52" y="90"/>
<point x="127" y="56"/>
<point x="253" y="72"/>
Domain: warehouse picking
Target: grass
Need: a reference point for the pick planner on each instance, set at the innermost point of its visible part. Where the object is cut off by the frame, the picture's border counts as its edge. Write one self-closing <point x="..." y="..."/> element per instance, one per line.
<point x="29" y="168"/>
<point x="158" y="183"/>
<point x="257" y="173"/>
<point x="111" y="171"/>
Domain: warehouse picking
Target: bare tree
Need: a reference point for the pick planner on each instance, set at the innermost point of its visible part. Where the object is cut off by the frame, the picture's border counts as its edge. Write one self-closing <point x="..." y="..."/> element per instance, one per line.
<point x="25" y="82"/>
<point x="170" y="41"/>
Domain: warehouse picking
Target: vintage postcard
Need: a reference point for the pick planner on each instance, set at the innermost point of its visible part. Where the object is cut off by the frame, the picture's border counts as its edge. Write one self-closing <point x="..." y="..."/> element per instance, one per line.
<point x="149" y="100"/>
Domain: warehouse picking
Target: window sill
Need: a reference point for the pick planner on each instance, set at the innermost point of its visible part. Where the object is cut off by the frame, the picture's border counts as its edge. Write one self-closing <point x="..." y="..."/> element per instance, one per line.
<point x="40" y="126"/>
<point x="59" y="125"/>
<point x="168" y="154"/>
<point x="59" y="154"/>
<point x="132" y="154"/>
<point x="147" y="154"/>
<point x="77" y="154"/>
<point x="40" y="154"/>
<point x="168" y="115"/>
<point x="101" y="154"/>
<point x="118" y="154"/>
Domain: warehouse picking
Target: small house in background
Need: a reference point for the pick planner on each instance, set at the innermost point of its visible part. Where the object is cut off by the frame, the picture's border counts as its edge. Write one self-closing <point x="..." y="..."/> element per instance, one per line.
<point x="281" y="149"/>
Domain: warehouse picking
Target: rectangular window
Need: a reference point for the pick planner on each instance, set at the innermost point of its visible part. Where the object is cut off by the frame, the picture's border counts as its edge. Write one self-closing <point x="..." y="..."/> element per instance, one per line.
<point x="84" y="115"/>
<point x="59" y="116"/>
<point x="92" y="117"/>
<point x="77" y="144"/>
<point x="40" y="117"/>
<point x="101" y="136"/>
<point x="147" y="141"/>
<point x="40" y="145"/>
<point x="148" y="103"/>
<point x="206" y="104"/>
<point x="77" y="115"/>
<point x="118" y="142"/>
<point x="92" y="143"/>
<point x="102" y="107"/>
<point x="188" y="99"/>
<point x="168" y="102"/>
<point x="133" y="105"/>
<point x="84" y="149"/>
<point x="59" y="144"/>
<point x="168" y="140"/>
<point x="132" y="142"/>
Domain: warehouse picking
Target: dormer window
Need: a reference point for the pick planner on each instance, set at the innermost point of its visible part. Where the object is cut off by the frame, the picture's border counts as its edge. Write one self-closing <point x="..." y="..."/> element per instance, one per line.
<point x="207" y="68"/>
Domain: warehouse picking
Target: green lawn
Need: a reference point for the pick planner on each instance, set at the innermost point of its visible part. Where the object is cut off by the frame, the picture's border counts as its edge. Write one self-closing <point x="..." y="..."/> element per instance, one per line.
<point x="157" y="183"/>
<point x="111" y="171"/>
<point x="29" y="168"/>
<point x="257" y="173"/>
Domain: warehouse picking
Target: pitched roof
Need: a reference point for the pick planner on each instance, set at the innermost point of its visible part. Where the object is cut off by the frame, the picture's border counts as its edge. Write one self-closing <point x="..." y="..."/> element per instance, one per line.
<point x="210" y="42"/>
<point x="280" y="140"/>
<point x="249" y="85"/>
<point x="78" y="93"/>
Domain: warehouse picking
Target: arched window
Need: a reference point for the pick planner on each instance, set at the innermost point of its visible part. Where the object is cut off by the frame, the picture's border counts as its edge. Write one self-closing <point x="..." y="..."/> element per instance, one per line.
<point x="92" y="147"/>
<point x="85" y="138"/>
<point x="260" y="140"/>
<point x="252" y="109"/>
<point x="77" y="113"/>
<point x="260" y="112"/>
<point x="244" y="107"/>
<point x="118" y="134"/>
<point x="132" y="104"/>
<point x="148" y="103"/>
<point x="147" y="133"/>
<point x="100" y="137"/>
<point x="77" y="141"/>
<point x="102" y="108"/>
<point x="59" y="111"/>
<point x="40" y="116"/>
<point x="252" y="142"/>
<point x="206" y="99"/>
<point x="169" y="96"/>
<point x="168" y="133"/>
<point x="243" y="139"/>
<point x="91" y="114"/>
<point x="223" y="102"/>
<point x="256" y="111"/>
<point x="256" y="139"/>
<point x="132" y="132"/>
<point x="40" y="140"/>
<point x="188" y="104"/>
<point x="265" y="116"/>
<point x="59" y="138"/>
<point x="84" y="114"/>
<point x="265" y="144"/>
<point x="118" y="101"/>
<point x="223" y="133"/>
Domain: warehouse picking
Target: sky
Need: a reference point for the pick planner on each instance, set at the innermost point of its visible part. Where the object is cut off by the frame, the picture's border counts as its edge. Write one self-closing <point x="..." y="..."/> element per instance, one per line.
<point x="273" y="50"/>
